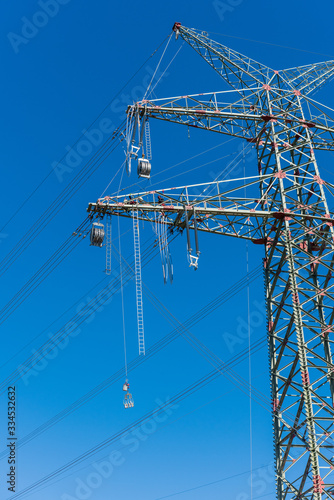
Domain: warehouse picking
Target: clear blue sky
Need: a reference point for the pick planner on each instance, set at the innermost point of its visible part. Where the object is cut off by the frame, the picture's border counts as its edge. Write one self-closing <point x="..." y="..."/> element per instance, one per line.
<point x="56" y="79"/>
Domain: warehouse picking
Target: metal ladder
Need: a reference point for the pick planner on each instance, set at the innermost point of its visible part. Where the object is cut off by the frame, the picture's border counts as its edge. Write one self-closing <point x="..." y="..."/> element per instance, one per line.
<point x="148" y="141"/>
<point x="139" y="293"/>
<point x="108" y="245"/>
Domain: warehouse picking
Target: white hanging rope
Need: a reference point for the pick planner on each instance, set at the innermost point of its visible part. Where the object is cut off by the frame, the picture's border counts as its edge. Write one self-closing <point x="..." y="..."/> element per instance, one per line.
<point x="122" y="297"/>
<point x="121" y="283"/>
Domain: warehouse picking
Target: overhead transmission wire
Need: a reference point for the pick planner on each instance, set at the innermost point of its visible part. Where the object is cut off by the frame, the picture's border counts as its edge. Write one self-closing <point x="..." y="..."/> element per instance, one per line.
<point x="208" y="354"/>
<point x="12" y="305"/>
<point x="113" y="178"/>
<point x="61" y="200"/>
<point x="211" y="483"/>
<point x="37" y="227"/>
<point x="50" y="344"/>
<point x="215" y="360"/>
<point x="107" y="383"/>
<point x="115" y="437"/>
<point x="234" y="163"/>
<point x="196" y="168"/>
<point x="79" y="301"/>
<point x="268" y="43"/>
<point x="162" y="74"/>
<point x="139" y="182"/>
<point x="167" y="424"/>
<point x="178" y="398"/>
<point x="154" y="349"/>
<point x="43" y="272"/>
<point x="82" y="135"/>
<point x="211" y="376"/>
<point x="121" y="286"/>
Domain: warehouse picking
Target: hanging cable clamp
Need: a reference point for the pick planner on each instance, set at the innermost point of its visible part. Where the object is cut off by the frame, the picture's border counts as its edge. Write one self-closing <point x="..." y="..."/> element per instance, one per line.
<point x="193" y="259"/>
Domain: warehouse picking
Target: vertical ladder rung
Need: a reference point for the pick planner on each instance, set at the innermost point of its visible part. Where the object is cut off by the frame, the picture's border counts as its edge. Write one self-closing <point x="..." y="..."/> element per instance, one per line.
<point x="138" y="281"/>
<point x="108" y="245"/>
<point x="148" y="140"/>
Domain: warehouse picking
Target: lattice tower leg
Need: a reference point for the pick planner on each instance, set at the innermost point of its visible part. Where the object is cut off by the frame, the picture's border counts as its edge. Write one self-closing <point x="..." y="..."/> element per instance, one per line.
<point x="298" y="269"/>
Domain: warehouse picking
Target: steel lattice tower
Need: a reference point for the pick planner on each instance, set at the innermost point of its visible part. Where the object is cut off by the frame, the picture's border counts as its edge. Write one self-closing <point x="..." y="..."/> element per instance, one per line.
<point x="289" y="217"/>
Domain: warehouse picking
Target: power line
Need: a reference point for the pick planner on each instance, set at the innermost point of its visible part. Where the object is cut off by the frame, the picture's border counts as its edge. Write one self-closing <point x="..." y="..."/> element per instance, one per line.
<point x="269" y="43"/>
<point x="157" y="347"/>
<point x="49" y="345"/>
<point x="50" y="265"/>
<point x="211" y="483"/>
<point x="60" y="201"/>
<point x="200" y="383"/>
<point x="82" y="135"/>
<point x="119" y="448"/>
<point x="8" y="360"/>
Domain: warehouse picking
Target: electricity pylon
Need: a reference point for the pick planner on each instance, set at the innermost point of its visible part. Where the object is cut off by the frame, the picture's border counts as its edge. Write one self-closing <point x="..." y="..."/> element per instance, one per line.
<point x="289" y="217"/>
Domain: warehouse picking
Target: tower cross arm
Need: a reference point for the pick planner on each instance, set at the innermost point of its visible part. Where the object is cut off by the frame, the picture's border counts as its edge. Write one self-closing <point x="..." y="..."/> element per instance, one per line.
<point x="240" y="119"/>
<point x="201" y="111"/>
<point x="226" y="212"/>
<point x="227" y="222"/>
<point x="236" y="69"/>
<point x="309" y="78"/>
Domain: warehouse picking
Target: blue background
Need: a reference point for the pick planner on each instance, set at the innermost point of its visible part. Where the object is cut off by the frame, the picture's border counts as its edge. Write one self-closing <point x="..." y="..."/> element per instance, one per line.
<point x="52" y="88"/>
